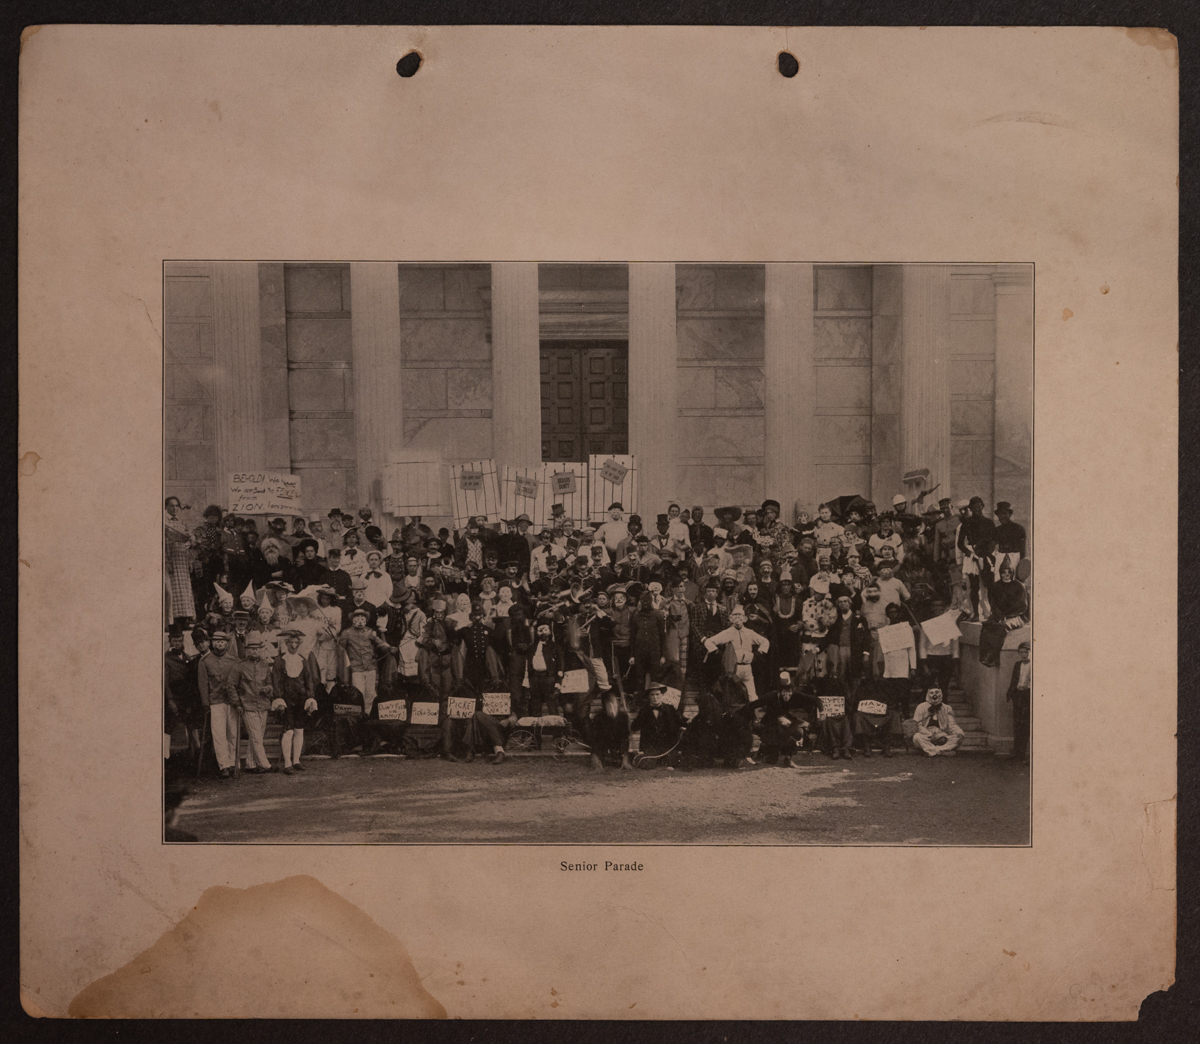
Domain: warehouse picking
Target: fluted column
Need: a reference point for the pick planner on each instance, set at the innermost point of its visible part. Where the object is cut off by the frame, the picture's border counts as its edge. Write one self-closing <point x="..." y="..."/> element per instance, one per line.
<point x="1013" y="460"/>
<point x="790" y="388"/>
<point x="925" y="386"/>
<point x="516" y="367"/>
<point x="237" y="345"/>
<point x="652" y="382"/>
<point x="375" y="343"/>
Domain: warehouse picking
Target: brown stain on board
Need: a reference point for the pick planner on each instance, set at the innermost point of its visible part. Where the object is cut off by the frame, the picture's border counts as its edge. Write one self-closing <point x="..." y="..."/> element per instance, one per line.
<point x="1067" y="313"/>
<point x="28" y="33"/>
<point x="28" y="464"/>
<point x="1160" y="38"/>
<point x="286" y="949"/>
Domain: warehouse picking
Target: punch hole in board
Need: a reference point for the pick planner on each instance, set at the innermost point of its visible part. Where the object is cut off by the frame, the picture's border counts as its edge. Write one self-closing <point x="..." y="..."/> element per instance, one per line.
<point x="409" y="64"/>
<point x="788" y="64"/>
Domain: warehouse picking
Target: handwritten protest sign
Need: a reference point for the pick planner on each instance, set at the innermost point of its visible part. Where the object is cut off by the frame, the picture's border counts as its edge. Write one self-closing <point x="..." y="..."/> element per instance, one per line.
<point x="872" y="707"/>
<point x="393" y="710"/>
<point x="942" y="630"/>
<point x="525" y="487"/>
<point x="469" y="480"/>
<point x="613" y="471"/>
<point x="497" y="704"/>
<point x="424" y="714"/>
<point x="896" y="637"/>
<point x="347" y="710"/>
<point x="264" y="493"/>
<point x="671" y="697"/>
<point x="460" y="707"/>
<point x="832" y="707"/>
<point x="562" y="482"/>
<point x="575" y="681"/>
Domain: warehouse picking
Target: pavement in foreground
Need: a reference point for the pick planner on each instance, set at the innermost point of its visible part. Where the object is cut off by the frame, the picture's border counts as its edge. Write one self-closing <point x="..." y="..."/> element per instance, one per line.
<point x="905" y="800"/>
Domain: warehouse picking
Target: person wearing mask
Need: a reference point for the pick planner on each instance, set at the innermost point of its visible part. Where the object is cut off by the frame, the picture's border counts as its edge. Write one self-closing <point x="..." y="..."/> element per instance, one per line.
<point x="634" y="529"/>
<point x="937" y="731"/>
<point x="741" y="646"/>
<point x="774" y="538"/>
<point x="545" y="671"/>
<point x="783" y="724"/>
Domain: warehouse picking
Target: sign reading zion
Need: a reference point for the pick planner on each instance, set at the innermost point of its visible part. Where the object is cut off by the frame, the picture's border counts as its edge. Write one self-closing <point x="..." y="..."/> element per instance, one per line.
<point x="264" y="493"/>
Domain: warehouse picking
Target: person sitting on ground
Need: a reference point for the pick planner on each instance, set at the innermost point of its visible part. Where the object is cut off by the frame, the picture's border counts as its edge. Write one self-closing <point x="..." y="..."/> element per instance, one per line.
<point x="835" y="736"/>
<point x="658" y="723"/>
<point x="784" y="722"/>
<point x="937" y="731"/>
<point x="608" y="734"/>
<point x="876" y="716"/>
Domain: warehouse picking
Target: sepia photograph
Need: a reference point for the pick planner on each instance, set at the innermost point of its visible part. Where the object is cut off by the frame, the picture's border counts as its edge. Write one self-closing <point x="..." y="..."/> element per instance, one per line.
<point x="597" y="554"/>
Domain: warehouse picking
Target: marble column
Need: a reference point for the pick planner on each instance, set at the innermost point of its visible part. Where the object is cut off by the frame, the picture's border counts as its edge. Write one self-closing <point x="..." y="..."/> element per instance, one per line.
<point x="516" y="365"/>
<point x="375" y="347"/>
<point x="1013" y="462"/>
<point x="925" y="384"/>
<point x="652" y="384"/>
<point x="790" y="388"/>
<point x="237" y="346"/>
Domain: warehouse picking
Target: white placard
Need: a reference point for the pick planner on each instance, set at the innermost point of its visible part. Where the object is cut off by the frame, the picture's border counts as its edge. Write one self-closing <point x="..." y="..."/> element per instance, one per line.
<point x="896" y="637"/>
<point x="832" y="706"/>
<point x="460" y="707"/>
<point x="943" y="629"/>
<point x="671" y="697"/>
<point x="497" y="704"/>
<point x="424" y="714"/>
<point x="575" y="681"/>
<point x="474" y="491"/>
<point x="872" y="707"/>
<point x="347" y="710"/>
<point x="264" y="493"/>
<point x="393" y="710"/>
<point x="611" y="478"/>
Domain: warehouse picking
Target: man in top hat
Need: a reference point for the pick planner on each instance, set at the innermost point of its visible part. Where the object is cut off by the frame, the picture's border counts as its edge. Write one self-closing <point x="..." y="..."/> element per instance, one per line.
<point x="662" y="542"/>
<point x="517" y="543"/>
<point x="354" y="559"/>
<point x="213" y="675"/>
<point x="658" y="723"/>
<point x="1010" y="539"/>
<point x="612" y="532"/>
<point x="252" y="687"/>
<point x="744" y="644"/>
<point x="937" y="731"/>
<point x="634" y="528"/>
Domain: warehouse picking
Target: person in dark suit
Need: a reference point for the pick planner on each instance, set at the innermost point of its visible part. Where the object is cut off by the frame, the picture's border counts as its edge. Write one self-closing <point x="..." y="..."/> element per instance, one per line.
<point x="358" y="600"/>
<point x="1019" y="691"/>
<point x="658" y="723"/>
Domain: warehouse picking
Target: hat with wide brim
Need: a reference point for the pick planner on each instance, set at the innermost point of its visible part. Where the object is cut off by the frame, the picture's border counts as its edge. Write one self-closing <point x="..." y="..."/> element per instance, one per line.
<point x="734" y="513"/>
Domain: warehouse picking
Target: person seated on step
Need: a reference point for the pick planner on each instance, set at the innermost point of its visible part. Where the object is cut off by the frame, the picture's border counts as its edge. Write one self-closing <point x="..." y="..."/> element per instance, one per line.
<point x="785" y="721"/>
<point x="937" y="731"/>
<point x="876" y="715"/>
<point x="608" y="734"/>
<point x="658" y="723"/>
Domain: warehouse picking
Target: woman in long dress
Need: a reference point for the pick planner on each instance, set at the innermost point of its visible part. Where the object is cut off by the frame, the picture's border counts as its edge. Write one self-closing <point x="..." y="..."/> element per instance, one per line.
<point x="178" y="550"/>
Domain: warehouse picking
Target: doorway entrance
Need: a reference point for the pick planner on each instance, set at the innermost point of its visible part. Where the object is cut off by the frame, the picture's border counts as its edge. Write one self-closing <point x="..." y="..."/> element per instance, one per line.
<point x="585" y="399"/>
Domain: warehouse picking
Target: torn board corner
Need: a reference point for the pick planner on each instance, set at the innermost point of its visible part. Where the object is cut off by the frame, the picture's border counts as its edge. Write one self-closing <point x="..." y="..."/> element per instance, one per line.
<point x="286" y="949"/>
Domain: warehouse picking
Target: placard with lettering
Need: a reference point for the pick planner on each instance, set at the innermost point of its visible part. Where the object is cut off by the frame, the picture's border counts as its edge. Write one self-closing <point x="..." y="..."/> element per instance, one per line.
<point x="896" y="637"/>
<point x="832" y="707"/>
<point x="613" y="471"/>
<point x="264" y="493"/>
<point x="671" y="697"/>
<point x="562" y="482"/>
<point x="498" y="704"/>
<point x="347" y="710"/>
<point x="460" y="707"/>
<point x="470" y="480"/>
<point x="393" y="710"/>
<point x="525" y="487"/>
<point x="872" y="707"/>
<point x="575" y="681"/>
<point x="424" y="714"/>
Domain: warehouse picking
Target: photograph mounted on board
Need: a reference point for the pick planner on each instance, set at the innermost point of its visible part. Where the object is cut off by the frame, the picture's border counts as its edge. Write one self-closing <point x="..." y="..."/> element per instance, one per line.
<point x="646" y="553"/>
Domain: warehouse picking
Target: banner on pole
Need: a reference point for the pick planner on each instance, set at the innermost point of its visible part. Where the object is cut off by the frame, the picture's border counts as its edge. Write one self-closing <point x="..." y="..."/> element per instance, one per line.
<point x="612" y="479"/>
<point x="415" y="485"/>
<point x="475" y="492"/>
<point x="264" y="493"/>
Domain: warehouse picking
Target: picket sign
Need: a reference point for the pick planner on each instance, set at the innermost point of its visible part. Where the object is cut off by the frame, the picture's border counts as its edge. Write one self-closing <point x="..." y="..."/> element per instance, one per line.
<point x="424" y="714"/>
<point x="895" y="637"/>
<point x="831" y="707"/>
<point x="612" y="478"/>
<point x="566" y="483"/>
<point x="942" y="630"/>
<point x="497" y="704"/>
<point x="474" y="491"/>
<point x="393" y="710"/>
<point x="414" y="484"/>
<point x="264" y="493"/>
<point x="460" y="707"/>
<point x="519" y="490"/>
<point x="347" y="710"/>
<point x="671" y="697"/>
<point x="872" y="707"/>
<point x="575" y="681"/>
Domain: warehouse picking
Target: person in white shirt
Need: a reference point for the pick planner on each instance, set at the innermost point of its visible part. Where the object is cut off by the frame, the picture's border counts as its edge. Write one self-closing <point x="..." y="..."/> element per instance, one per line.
<point x="745" y="643"/>
<point x="612" y="532"/>
<point x="539" y="559"/>
<point x="354" y="561"/>
<point x="379" y="583"/>
<point x="937" y="731"/>
<point x="676" y="528"/>
<point x="886" y="536"/>
<point x="826" y="528"/>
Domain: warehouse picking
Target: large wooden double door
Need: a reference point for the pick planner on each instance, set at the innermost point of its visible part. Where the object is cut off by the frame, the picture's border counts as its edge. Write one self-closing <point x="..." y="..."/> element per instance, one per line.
<point x="585" y="399"/>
